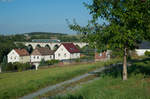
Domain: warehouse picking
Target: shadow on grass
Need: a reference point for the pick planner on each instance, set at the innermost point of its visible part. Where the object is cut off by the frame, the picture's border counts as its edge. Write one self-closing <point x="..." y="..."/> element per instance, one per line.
<point x="138" y="67"/>
<point x="71" y="97"/>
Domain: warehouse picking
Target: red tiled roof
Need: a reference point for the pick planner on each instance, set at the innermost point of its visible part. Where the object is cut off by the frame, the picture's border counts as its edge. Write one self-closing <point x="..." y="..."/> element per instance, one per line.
<point x="71" y="47"/>
<point x="22" y="52"/>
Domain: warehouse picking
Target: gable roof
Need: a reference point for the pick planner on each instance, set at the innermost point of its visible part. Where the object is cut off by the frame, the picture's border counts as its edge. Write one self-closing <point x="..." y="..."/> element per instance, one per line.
<point x="42" y="51"/>
<point x="144" y="45"/>
<point x="71" y="47"/>
<point x="22" y="52"/>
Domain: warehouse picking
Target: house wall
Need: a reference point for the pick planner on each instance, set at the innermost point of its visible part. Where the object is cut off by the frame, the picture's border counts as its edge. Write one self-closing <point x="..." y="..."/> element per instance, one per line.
<point x="47" y="57"/>
<point x="35" y="58"/>
<point x="62" y="53"/>
<point x="38" y="58"/>
<point x="75" y="55"/>
<point x="13" y="57"/>
<point x="140" y="52"/>
<point x="24" y="59"/>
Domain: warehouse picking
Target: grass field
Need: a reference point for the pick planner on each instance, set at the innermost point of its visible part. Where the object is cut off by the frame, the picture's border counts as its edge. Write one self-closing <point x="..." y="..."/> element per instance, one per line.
<point x="14" y="85"/>
<point x="111" y="86"/>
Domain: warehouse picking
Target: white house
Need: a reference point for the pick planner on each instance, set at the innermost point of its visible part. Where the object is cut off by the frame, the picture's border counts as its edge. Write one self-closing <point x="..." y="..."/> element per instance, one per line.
<point x="18" y="55"/>
<point x="143" y="47"/>
<point x="41" y="53"/>
<point x="67" y="51"/>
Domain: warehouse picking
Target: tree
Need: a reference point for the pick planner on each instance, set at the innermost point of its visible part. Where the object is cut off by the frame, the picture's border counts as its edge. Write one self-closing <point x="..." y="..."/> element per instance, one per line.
<point x="127" y="24"/>
<point x="4" y="63"/>
<point x="20" y="45"/>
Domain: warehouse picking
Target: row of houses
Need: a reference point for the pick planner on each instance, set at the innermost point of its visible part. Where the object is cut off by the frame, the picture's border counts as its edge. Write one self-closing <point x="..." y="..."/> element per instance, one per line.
<point x="64" y="52"/>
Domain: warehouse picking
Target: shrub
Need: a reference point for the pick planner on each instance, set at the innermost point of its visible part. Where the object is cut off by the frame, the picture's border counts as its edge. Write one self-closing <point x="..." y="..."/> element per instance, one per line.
<point x="3" y="64"/>
<point x="49" y="62"/>
<point x="147" y="53"/>
<point x="86" y="57"/>
<point x="42" y="62"/>
<point x="77" y="60"/>
<point x="18" y="66"/>
<point x="117" y="53"/>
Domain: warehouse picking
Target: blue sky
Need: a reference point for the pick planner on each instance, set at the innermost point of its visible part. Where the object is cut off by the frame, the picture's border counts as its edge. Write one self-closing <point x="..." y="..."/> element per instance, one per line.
<point x="20" y="16"/>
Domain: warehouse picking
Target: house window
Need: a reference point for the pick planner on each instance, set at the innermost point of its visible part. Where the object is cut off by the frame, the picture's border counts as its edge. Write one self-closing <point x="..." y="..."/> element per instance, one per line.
<point x="58" y="54"/>
<point x="50" y="56"/>
<point x="65" y="55"/>
<point x="34" y="57"/>
<point x="62" y="49"/>
<point x="37" y="57"/>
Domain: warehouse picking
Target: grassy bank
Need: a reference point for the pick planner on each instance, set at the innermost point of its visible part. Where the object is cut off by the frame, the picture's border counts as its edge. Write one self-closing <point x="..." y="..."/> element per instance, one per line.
<point x="14" y="85"/>
<point x="111" y="86"/>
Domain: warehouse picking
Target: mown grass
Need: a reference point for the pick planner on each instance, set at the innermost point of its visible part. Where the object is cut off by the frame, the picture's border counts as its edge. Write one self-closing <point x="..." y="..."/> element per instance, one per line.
<point x="14" y="85"/>
<point x="111" y="86"/>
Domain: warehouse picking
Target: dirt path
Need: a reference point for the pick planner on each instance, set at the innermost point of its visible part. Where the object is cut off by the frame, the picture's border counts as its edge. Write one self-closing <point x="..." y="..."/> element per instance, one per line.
<point x="59" y="85"/>
<point x="64" y="89"/>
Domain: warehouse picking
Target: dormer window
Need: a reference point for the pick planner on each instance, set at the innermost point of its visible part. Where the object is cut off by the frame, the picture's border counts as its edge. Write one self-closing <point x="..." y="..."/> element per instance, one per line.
<point x="58" y="54"/>
<point x="72" y="48"/>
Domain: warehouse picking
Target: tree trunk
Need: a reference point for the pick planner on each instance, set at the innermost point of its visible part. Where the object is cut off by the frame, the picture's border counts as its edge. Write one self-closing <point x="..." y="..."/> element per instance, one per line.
<point x="125" y="65"/>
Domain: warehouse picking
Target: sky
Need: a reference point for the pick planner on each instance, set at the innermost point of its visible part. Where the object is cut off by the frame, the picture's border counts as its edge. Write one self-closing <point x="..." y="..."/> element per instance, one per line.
<point x="22" y="16"/>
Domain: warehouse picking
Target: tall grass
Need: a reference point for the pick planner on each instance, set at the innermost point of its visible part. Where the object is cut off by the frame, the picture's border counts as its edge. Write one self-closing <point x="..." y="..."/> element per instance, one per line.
<point x="111" y="85"/>
<point x="110" y="88"/>
<point x="14" y="85"/>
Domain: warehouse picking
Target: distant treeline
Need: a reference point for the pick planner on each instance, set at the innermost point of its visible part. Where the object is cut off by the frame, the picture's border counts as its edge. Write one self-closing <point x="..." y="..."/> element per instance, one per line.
<point x="48" y="35"/>
<point x="7" y="44"/>
<point x="45" y="33"/>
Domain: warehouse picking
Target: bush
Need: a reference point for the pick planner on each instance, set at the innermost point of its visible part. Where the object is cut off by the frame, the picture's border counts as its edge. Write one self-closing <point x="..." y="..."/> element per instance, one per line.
<point x="49" y="62"/>
<point x="86" y="57"/>
<point x="77" y="60"/>
<point x="147" y="53"/>
<point x="42" y="62"/>
<point x="18" y="66"/>
<point x="117" y="53"/>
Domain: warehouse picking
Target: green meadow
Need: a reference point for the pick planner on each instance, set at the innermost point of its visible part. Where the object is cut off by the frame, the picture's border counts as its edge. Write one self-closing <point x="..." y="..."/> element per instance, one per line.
<point x="17" y="84"/>
<point x="111" y="86"/>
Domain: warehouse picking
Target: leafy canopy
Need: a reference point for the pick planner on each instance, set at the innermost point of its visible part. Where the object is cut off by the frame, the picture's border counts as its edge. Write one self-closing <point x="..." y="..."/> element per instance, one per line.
<point x="128" y="23"/>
